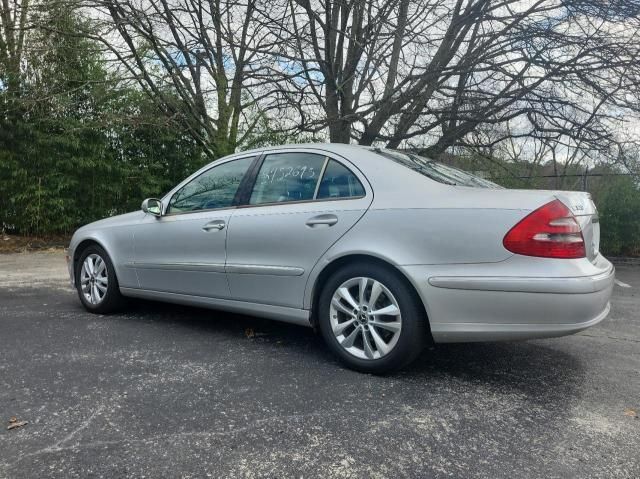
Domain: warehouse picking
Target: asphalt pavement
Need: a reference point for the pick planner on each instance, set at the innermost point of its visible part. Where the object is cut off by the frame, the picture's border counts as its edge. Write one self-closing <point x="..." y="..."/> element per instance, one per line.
<point x="172" y="391"/>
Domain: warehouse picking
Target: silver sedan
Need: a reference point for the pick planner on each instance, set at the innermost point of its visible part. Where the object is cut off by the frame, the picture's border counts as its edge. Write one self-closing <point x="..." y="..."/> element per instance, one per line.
<point x="381" y="250"/>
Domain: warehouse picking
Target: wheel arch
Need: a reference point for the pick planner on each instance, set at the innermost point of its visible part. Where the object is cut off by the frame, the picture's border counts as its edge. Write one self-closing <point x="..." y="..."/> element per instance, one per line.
<point x="84" y="244"/>
<point x="80" y="247"/>
<point x="342" y="261"/>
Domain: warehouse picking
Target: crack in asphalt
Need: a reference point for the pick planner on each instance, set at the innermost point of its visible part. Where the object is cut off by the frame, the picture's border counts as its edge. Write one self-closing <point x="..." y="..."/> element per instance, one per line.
<point x="58" y="446"/>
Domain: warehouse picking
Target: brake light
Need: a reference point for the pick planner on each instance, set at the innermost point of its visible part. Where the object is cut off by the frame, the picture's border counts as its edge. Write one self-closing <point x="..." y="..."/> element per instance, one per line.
<point x="551" y="231"/>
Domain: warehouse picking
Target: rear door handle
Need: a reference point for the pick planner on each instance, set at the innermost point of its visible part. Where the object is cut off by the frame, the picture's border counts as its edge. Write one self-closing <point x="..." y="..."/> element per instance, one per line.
<point x="214" y="225"/>
<point x="322" y="220"/>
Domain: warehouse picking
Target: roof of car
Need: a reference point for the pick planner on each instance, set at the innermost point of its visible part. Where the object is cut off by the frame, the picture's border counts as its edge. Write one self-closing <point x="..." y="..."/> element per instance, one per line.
<point x="330" y="147"/>
<point x="363" y="157"/>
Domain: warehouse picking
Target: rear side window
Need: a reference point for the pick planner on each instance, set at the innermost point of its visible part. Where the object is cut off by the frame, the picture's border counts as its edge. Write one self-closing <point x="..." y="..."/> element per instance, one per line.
<point x="287" y="177"/>
<point x="339" y="182"/>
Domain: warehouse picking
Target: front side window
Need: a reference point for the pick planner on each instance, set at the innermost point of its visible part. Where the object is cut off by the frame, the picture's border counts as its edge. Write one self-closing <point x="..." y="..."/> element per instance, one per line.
<point x="287" y="177"/>
<point x="339" y="182"/>
<point x="215" y="188"/>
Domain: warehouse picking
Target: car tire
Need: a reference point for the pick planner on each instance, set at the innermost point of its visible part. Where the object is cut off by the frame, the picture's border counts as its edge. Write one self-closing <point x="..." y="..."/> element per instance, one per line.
<point x="394" y="293"/>
<point x="98" y="290"/>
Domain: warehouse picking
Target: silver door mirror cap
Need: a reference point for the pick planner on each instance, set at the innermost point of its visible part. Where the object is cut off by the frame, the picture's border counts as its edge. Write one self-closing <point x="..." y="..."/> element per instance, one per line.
<point x="152" y="206"/>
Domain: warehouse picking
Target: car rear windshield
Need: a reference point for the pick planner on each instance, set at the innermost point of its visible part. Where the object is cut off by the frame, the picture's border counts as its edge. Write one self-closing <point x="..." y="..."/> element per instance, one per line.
<point x="436" y="171"/>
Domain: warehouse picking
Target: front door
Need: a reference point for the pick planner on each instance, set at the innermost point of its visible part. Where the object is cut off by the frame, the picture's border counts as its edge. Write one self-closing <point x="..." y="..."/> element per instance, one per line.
<point x="300" y="205"/>
<point x="183" y="251"/>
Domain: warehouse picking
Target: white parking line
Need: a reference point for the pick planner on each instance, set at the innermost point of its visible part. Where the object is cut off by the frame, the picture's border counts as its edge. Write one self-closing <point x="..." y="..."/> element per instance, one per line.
<point x="620" y="283"/>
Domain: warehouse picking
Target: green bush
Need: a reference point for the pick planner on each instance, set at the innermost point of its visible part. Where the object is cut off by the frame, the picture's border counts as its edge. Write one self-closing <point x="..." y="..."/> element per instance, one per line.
<point x="619" y="207"/>
<point x="57" y="175"/>
<point x="75" y="144"/>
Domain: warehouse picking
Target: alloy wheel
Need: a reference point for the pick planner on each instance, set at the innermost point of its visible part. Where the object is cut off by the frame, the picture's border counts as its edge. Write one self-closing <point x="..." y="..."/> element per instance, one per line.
<point x="94" y="279"/>
<point x="365" y="318"/>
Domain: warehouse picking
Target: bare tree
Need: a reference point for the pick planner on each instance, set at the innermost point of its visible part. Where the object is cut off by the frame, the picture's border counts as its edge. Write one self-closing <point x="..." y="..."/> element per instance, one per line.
<point x="210" y="53"/>
<point x="430" y="72"/>
<point x="422" y="73"/>
<point x="13" y="23"/>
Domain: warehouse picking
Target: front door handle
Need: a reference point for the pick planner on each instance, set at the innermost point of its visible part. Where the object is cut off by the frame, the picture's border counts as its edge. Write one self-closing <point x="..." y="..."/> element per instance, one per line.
<point x="214" y="225"/>
<point x="322" y="220"/>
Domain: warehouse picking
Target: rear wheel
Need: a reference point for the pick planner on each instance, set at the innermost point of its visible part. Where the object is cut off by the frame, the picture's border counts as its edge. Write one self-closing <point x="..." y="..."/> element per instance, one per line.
<point x="96" y="281"/>
<point x="371" y="318"/>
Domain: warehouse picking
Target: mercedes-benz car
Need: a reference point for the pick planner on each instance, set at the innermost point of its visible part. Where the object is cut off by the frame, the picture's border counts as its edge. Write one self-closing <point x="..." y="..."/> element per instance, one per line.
<point x="382" y="251"/>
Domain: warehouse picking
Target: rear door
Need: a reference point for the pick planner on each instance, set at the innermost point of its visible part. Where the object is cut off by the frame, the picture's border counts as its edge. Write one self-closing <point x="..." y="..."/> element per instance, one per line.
<point x="300" y="204"/>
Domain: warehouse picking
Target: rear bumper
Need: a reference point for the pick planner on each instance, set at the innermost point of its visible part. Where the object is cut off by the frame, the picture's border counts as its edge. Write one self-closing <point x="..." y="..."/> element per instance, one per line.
<point x="474" y="332"/>
<point x="494" y="308"/>
<point x="572" y="285"/>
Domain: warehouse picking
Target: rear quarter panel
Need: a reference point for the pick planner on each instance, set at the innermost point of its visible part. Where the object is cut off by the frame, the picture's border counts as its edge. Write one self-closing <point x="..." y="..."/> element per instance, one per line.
<point x="423" y="236"/>
<point x="431" y="235"/>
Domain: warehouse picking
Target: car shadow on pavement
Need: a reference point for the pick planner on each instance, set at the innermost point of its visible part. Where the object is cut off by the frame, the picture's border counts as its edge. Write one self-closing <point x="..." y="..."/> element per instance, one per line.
<point x="540" y="370"/>
<point x="536" y="369"/>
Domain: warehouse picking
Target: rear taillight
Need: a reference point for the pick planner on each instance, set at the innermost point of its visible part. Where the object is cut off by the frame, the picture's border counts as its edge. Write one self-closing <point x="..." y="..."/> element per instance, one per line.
<point x="551" y="231"/>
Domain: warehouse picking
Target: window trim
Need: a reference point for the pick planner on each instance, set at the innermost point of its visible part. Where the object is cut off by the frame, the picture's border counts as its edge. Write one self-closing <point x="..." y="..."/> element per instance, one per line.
<point x="321" y="177"/>
<point x="246" y="186"/>
<point x="327" y="158"/>
<point x="234" y="203"/>
<point x="241" y="201"/>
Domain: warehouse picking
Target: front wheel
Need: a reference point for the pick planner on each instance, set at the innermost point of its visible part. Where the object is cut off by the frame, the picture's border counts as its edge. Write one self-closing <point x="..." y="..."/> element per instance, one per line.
<point x="96" y="281"/>
<point x="371" y="318"/>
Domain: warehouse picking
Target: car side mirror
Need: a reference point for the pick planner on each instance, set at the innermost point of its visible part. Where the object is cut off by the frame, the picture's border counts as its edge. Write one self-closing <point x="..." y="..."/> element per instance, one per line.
<point x="152" y="206"/>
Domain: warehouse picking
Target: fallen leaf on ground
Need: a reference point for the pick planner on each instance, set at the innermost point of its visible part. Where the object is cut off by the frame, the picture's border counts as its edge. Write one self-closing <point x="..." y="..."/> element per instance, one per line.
<point x="16" y="424"/>
<point x="252" y="333"/>
<point x="630" y="412"/>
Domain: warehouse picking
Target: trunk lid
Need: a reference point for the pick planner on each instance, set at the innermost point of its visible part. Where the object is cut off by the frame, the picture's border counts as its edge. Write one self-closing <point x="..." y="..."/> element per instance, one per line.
<point x="584" y="209"/>
<point x="578" y="202"/>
